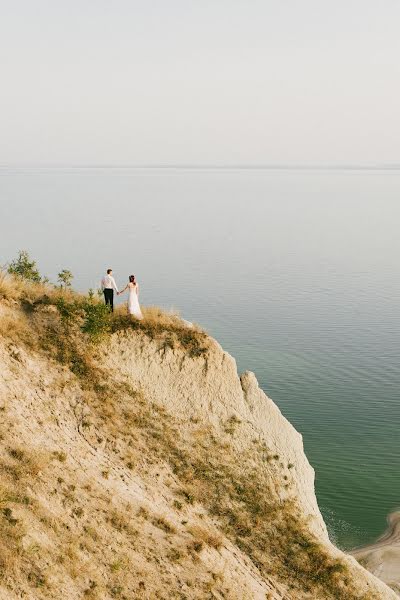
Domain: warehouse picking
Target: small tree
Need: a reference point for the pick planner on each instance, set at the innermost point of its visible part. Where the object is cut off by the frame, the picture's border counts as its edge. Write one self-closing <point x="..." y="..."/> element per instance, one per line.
<point x="65" y="277"/>
<point x="24" y="267"/>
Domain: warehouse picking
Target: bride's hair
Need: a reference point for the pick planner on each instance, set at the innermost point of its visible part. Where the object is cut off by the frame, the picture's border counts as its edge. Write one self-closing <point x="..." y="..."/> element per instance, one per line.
<point x="132" y="279"/>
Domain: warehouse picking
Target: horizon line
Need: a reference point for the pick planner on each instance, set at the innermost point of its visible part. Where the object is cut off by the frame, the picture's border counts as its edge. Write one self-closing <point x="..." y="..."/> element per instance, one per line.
<point x="227" y="166"/>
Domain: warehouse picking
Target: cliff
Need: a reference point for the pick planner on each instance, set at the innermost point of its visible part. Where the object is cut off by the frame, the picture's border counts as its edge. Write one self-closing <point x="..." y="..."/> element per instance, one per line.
<point x="136" y="463"/>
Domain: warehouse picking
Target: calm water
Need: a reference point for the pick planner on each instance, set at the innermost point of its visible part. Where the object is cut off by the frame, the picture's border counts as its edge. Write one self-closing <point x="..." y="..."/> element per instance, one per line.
<point x="296" y="273"/>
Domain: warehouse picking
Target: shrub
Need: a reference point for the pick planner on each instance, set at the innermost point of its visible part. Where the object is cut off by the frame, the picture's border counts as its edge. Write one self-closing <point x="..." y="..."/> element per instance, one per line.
<point x="65" y="277"/>
<point x="24" y="267"/>
<point x="69" y="311"/>
<point x="96" y="319"/>
<point x="93" y="316"/>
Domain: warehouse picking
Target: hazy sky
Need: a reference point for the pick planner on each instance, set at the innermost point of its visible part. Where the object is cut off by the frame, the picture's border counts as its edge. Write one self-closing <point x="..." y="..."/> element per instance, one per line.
<point x="199" y="81"/>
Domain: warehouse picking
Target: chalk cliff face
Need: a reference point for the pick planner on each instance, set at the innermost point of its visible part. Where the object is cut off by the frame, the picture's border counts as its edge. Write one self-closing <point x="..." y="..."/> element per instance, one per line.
<point x="210" y="391"/>
<point x="147" y="471"/>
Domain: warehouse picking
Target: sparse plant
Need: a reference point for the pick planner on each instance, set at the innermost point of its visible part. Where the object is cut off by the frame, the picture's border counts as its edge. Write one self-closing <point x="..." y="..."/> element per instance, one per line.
<point x="196" y="546"/>
<point x="231" y="424"/>
<point x="59" y="455"/>
<point x="17" y="453"/>
<point x="78" y="512"/>
<point x="37" y="578"/>
<point x="174" y="555"/>
<point x="119" y="564"/>
<point x="187" y="495"/>
<point x="65" y="278"/>
<point x="162" y="523"/>
<point x="206" y="536"/>
<point x="116" y="591"/>
<point x="143" y="512"/>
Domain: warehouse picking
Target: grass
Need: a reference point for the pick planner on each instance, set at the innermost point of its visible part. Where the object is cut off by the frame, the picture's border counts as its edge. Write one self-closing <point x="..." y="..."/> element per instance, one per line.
<point x="17" y="468"/>
<point x="11" y="535"/>
<point x="162" y="523"/>
<point x="205" y="536"/>
<point x="29" y="293"/>
<point x="23" y="463"/>
<point x="166" y="328"/>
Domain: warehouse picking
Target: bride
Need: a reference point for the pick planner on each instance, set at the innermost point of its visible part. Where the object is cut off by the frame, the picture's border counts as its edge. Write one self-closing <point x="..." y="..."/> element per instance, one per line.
<point x="133" y="297"/>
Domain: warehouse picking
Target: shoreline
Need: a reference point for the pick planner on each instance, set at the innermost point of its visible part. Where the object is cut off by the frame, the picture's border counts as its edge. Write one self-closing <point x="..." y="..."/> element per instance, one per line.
<point x="382" y="557"/>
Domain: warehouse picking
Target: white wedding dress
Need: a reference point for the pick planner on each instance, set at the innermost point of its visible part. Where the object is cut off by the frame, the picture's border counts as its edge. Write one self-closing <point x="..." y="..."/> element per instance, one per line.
<point x="133" y="302"/>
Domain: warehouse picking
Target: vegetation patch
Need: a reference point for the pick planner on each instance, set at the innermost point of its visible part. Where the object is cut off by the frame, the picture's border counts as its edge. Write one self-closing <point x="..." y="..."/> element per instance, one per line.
<point x="60" y="318"/>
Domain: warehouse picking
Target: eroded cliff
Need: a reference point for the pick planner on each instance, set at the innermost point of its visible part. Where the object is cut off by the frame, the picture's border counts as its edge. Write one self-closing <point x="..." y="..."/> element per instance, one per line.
<point x="143" y="466"/>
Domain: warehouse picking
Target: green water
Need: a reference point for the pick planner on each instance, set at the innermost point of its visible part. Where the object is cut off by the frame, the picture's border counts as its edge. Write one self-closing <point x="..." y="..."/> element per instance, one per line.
<point x="295" y="273"/>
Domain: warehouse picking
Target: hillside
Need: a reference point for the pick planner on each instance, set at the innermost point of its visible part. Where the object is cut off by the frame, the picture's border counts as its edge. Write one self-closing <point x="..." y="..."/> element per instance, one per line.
<point x="135" y="463"/>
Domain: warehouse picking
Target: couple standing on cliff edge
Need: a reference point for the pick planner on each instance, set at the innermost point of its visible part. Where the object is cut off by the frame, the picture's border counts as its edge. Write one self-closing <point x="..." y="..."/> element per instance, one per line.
<point x="108" y="287"/>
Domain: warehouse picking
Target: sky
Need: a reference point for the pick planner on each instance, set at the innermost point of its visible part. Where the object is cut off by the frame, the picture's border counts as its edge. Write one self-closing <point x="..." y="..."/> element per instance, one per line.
<point x="216" y="82"/>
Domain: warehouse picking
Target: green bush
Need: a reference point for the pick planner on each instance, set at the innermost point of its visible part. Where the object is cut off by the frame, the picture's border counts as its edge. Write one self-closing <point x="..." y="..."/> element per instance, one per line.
<point x="25" y="268"/>
<point x="97" y="319"/>
<point x="65" y="277"/>
<point x="69" y="311"/>
<point x="92" y="317"/>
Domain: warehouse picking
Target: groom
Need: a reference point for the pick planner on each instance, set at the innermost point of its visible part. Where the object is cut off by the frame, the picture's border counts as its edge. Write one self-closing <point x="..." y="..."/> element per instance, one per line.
<point x="108" y="286"/>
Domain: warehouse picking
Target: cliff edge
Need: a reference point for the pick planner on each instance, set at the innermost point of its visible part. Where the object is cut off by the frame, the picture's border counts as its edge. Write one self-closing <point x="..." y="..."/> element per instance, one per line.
<point x="136" y="463"/>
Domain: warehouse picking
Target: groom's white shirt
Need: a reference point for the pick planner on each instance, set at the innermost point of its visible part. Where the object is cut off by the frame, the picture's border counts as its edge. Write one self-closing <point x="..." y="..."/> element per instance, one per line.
<point x="108" y="283"/>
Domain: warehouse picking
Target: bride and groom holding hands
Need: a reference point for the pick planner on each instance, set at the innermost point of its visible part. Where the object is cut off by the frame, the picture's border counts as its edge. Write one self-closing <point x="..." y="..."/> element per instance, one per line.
<point x="108" y="287"/>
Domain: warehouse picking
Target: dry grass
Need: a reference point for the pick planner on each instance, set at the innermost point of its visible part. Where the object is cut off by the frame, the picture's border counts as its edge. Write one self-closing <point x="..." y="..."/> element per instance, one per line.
<point x="11" y="288"/>
<point x="19" y="467"/>
<point x="23" y="463"/>
<point x="66" y="323"/>
<point x="12" y="533"/>
<point x="165" y="328"/>
<point x="19" y="290"/>
<point x="206" y="536"/>
<point x="15" y="327"/>
<point x="162" y="523"/>
<point x="28" y="566"/>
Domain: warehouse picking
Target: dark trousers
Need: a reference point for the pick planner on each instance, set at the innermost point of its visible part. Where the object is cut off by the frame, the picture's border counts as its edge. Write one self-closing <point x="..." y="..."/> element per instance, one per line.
<point x="109" y="298"/>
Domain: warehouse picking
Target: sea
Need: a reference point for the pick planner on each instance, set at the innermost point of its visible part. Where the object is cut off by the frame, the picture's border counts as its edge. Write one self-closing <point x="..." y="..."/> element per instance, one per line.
<point x="296" y="272"/>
